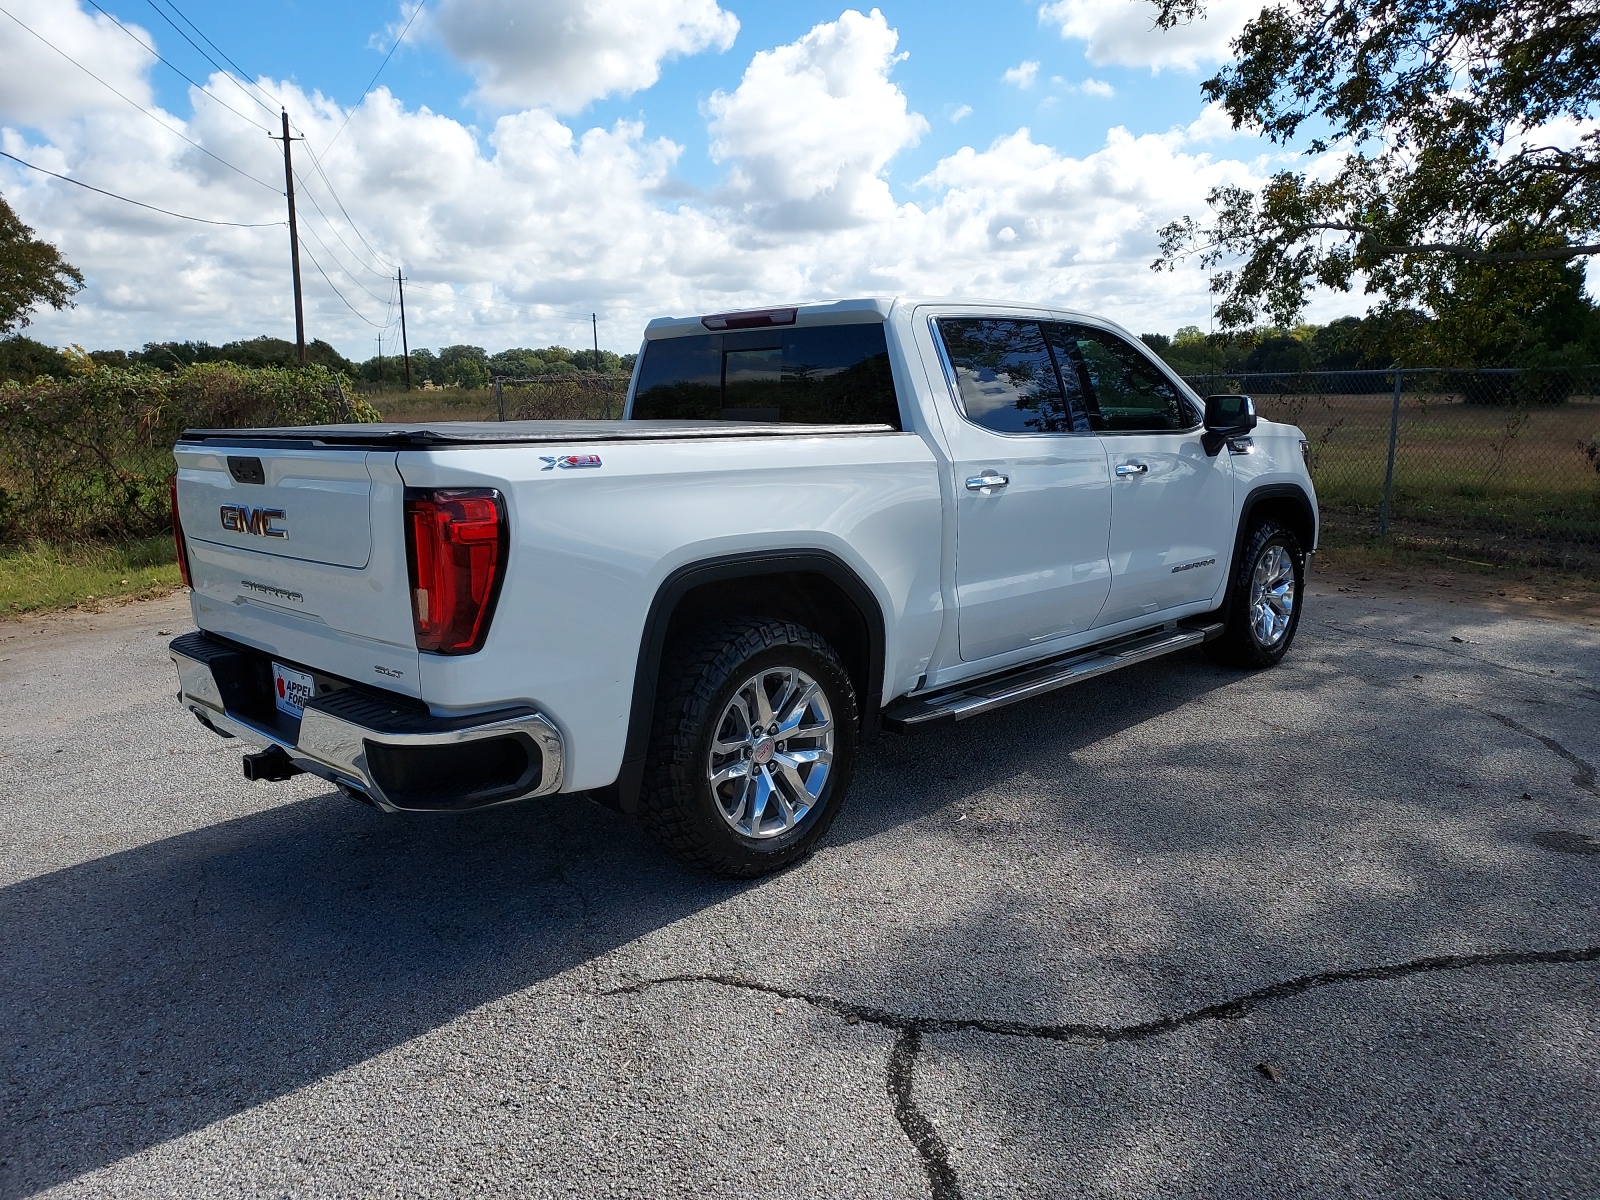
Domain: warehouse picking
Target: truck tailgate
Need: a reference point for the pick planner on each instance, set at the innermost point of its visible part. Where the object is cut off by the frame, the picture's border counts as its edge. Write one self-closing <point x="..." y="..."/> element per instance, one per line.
<point x="300" y="552"/>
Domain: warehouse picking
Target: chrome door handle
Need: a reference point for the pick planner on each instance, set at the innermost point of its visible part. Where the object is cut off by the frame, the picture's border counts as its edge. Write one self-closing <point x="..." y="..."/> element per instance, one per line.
<point x="1124" y="470"/>
<point x="987" y="482"/>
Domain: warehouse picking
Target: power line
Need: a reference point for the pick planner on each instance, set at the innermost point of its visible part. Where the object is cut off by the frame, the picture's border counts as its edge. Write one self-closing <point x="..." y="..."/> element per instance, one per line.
<point x="340" y="294"/>
<point x="242" y="72"/>
<point x="179" y="71"/>
<point x="317" y="162"/>
<point x="533" y="309"/>
<point x="334" y="258"/>
<point x="140" y="203"/>
<point x="334" y="229"/>
<point x="314" y="159"/>
<point x="140" y="107"/>
<point x="378" y="72"/>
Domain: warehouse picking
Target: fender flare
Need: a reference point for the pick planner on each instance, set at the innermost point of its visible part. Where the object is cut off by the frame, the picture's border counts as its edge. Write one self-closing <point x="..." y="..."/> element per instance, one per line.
<point x="658" y="620"/>
<point x="1252" y="500"/>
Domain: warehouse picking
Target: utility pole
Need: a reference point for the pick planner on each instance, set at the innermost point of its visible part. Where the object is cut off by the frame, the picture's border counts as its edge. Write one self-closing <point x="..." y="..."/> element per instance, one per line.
<point x="405" y="347"/>
<point x="380" y="361"/>
<point x="594" y="322"/>
<point x="294" y="240"/>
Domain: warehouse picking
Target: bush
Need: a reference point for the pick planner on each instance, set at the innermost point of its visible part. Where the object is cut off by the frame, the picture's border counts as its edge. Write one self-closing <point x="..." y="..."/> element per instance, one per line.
<point x="565" y="397"/>
<point x="91" y="456"/>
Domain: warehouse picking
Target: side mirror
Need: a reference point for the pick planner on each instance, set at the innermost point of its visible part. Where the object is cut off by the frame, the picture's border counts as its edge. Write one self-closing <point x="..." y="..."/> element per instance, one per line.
<point x="1227" y="417"/>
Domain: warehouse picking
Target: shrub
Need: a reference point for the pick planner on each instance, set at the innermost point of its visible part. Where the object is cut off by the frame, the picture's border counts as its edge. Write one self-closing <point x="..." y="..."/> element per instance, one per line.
<point x="91" y="456"/>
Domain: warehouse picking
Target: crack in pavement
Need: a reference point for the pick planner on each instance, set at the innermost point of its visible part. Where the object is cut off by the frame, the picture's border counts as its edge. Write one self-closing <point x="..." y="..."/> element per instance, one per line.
<point x="1585" y="778"/>
<point x="912" y="1028"/>
<point x="924" y="1138"/>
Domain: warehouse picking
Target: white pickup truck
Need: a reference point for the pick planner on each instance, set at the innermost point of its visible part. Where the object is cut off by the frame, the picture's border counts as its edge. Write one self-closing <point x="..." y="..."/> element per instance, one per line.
<point x="811" y="523"/>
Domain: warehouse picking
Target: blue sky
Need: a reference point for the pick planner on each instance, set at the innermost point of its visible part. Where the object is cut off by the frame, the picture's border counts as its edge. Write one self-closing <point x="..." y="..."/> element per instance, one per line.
<point x="956" y="54"/>
<point x="1021" y="148"/>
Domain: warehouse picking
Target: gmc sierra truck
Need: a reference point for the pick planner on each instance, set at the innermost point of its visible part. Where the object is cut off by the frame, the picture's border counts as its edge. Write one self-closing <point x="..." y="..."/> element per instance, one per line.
<point x="810" y="524"/>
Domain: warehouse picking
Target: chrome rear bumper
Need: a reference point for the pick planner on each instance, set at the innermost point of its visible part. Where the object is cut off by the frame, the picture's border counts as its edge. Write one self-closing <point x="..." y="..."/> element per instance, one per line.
<point x="389" y="751"/>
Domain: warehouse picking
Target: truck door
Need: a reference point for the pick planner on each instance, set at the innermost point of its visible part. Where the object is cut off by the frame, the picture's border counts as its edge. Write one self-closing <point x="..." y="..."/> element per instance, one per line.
<point x="1171" y="503"/>
<point x="1033" y="492"/>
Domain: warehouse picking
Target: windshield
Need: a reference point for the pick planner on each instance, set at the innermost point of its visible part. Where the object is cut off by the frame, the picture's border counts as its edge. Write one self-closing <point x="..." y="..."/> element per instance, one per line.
<point x="812" y="375"/>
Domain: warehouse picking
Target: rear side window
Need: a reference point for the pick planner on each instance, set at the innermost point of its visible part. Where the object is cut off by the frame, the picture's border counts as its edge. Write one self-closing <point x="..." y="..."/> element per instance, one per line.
<point x="1008" y="378"/>
<point x="810" y="375"/>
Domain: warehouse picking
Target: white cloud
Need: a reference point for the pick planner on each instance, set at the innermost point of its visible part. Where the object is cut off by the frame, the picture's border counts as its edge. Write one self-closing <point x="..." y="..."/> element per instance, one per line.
<point x="1123" y="32"/>
<point x="1212" y="125"/>
<point x="1023" y="75"/>
<point x="565" y="53"/>
<point x="960" y="113"/>
<point x="812" y="125"/>
<point x="1096" y="87"/>
<point x="39" y="86"/>
<point x="502" y="235"/>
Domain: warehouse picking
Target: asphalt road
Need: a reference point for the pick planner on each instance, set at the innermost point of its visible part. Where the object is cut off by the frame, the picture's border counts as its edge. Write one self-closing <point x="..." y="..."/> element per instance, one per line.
<point x="1329" y="929"/>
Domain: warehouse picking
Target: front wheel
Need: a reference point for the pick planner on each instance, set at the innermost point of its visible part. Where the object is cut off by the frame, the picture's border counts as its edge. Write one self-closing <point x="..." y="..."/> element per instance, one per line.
<point x="1265" y="609"/>
<point x="754" y="735"/>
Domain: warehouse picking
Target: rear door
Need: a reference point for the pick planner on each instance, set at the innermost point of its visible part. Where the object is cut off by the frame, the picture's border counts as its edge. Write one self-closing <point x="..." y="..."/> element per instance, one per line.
<point x="301" y="552"/>
<point x="1171" y="503"/>
<point x="1033" y="498"/>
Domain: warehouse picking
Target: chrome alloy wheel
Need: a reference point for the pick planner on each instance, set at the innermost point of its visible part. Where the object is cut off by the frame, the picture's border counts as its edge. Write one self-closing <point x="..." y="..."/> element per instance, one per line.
<point x="771" y="752"/>
<point x="1272" y="596"/>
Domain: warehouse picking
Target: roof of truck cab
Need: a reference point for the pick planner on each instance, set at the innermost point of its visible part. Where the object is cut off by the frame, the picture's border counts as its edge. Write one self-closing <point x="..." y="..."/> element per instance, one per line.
<point x="832" y="312"/>
<point x="861" y="310"/>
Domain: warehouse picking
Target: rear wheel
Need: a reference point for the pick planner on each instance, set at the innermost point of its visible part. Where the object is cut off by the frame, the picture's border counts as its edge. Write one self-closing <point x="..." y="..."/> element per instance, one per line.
<point x="754" y="736"/>
<point x="1266" y="589"/>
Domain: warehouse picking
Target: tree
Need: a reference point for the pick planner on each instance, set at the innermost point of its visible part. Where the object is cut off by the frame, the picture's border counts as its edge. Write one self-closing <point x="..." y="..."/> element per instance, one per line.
<point x="22" y="360"/>
<point x="464" y="366"/>
<point x="1448" y="162"/>
<point x="32" y="272"/>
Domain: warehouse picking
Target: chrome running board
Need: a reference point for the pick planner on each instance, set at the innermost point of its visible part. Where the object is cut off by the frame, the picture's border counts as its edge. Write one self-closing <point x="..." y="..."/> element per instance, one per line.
<point x="916" y="713"/>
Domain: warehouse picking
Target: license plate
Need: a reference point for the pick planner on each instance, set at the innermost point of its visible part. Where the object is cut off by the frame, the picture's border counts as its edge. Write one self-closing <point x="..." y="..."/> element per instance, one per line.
<point x="291" y="689"/>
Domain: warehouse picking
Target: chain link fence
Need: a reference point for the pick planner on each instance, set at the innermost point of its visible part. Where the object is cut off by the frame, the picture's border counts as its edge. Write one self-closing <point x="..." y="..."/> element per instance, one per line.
<point x="581" y="396"/>
<point x="1491" y="466"/>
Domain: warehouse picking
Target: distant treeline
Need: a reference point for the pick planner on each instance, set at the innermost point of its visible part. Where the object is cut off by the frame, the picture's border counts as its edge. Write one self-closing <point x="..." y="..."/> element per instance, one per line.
<point x="22" y="360"/>
<point x="1558" y="329"/>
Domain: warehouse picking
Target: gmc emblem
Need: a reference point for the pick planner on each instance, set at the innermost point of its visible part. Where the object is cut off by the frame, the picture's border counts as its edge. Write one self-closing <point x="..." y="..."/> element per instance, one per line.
<point x="241" y="518"/>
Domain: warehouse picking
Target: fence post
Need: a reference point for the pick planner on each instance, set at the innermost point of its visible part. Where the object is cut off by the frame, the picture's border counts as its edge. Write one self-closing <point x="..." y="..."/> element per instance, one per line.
<point x="1388" y="474"/>
<point x="499" y="399"/>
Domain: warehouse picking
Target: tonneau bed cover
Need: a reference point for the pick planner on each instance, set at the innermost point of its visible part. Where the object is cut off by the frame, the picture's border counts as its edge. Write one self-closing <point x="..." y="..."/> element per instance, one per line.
<point x="478" y="433"/>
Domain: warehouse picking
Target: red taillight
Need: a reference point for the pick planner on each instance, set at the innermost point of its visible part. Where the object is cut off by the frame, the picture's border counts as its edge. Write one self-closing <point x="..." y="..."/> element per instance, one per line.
<point x="177" y="538"/>
<point x="456" y="546"/>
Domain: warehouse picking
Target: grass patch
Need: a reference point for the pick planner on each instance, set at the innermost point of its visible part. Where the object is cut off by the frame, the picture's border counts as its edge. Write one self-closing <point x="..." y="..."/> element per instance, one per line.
<point x="40" y="577"/>
<point x="435" y="404"/>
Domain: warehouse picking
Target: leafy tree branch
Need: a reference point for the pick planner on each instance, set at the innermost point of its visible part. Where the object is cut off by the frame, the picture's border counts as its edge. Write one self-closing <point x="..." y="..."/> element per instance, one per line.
<point x="1444" y="139"/>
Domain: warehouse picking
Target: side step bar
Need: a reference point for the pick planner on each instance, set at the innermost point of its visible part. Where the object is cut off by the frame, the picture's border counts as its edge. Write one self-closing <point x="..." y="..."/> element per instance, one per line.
<point x="919" y="713"/>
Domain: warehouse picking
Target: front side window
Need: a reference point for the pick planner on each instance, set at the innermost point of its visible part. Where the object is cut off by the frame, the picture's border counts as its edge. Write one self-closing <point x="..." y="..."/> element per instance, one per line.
<point x="1007" y="377"/>
<point x="1129" y="393"/>
<point x="812" y="375"/>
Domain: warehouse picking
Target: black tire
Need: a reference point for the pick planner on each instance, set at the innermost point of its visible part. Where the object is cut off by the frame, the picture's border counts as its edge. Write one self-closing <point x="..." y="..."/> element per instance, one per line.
<point x="1242" y="643"/>
<point x="699" y="679"/>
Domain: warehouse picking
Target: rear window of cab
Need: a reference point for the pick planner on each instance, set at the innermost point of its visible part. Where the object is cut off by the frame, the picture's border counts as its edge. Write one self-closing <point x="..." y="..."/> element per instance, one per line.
<point x="810" y="375"/>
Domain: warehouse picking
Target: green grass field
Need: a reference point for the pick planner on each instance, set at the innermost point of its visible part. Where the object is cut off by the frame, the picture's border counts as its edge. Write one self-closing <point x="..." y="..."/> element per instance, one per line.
<point x="42" y="578"/>
<point x="1508" y="485"/>
<point x="435" y="404"/>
